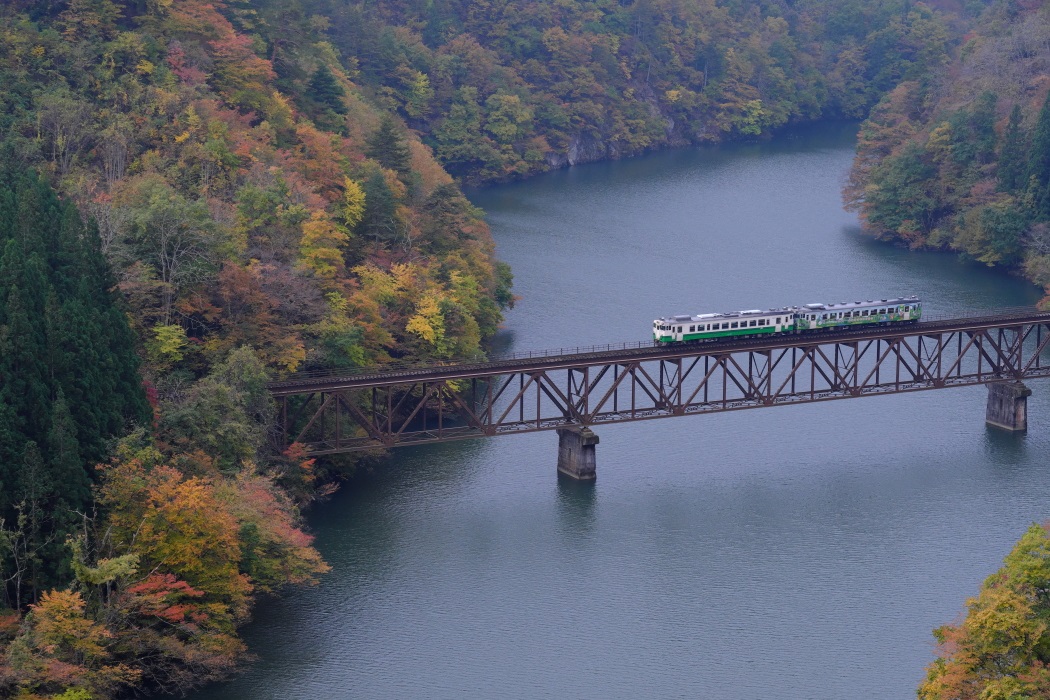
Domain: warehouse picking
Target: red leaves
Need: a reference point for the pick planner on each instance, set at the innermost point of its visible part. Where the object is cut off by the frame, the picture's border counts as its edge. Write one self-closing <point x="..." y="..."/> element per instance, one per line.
<point x="183" y="70"/>
<point x="161" y="596"/>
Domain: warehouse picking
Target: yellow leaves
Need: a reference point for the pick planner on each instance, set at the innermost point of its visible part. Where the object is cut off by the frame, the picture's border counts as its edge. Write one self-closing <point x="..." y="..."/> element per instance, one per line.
<point x="279" y="112"/>
<point x="183" y="137"/>
<point x="1003" y="628"/>
<point x="61" y="646"/>
<point x="37" y="52"/>
<point x="353" y="203"/>
<point x="144" y="67"/>
<point x="289" y="354"/>
<point x="320" y="248"/>
<point x="405" y="275"/>
<point x="376" y="283"/>
<point x="193" y="119"/>
<point x="940" y="140"/>
<point x="167" y="347"/>
<point x="427" y="322"/>
<point x="176" y="525"/>
<point x="673" y="96"/>
<point x="996" y="652"/>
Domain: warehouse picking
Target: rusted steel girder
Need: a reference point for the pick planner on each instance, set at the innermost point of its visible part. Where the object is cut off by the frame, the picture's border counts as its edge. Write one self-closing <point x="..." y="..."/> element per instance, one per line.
<point x="383" y="410"/>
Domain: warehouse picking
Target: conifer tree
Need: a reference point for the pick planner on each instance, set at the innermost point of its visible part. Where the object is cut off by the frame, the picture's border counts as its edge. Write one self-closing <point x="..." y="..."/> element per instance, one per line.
<point x="1012" y="165"/>
<point x="1039" y="165"/>
<point x="325" y="89"/>
<point x="68" y="371"/>
<point x="387" y="146"/>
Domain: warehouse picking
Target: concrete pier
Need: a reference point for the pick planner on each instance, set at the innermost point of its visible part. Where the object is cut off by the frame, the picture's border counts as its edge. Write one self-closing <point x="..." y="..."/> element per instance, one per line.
<point x="1008" y="406"/>
<point x="576" y="453"/>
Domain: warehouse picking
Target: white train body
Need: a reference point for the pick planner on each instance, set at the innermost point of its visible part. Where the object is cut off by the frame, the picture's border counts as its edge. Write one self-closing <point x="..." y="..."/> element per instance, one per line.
<point x="805" y="319"/>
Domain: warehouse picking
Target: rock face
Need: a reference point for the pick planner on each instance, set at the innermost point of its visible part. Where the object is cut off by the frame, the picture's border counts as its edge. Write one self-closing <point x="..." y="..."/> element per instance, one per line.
<point x="588" y="148"/>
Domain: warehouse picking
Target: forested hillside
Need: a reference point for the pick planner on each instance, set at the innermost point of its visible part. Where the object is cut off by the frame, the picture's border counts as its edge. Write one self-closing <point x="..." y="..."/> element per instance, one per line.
<point x="963" y="162"/>
<point x="505" y="88"/>
<point x="193" y="196"/>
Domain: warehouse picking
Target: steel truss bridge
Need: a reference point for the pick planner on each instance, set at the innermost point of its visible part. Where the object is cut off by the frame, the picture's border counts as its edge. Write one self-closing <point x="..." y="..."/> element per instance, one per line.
<point x="530" y="392"/>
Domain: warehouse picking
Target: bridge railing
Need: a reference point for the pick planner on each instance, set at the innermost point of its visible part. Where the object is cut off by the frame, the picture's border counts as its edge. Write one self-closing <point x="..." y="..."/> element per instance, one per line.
<point x="481" y="358"/>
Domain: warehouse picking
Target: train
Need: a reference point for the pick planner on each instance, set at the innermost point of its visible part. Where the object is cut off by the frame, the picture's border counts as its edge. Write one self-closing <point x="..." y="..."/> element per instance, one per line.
<point x="804" y="319"/>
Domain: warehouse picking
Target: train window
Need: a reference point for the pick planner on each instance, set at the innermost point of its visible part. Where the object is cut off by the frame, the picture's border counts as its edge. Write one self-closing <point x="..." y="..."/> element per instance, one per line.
<point x="692" y="328"/>
<point x="753" y="324"/>
<point x="734" y="324"/>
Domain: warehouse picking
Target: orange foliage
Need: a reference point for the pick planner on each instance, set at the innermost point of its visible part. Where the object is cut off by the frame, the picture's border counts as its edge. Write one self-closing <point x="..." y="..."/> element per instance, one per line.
<point x="177" y="525"/>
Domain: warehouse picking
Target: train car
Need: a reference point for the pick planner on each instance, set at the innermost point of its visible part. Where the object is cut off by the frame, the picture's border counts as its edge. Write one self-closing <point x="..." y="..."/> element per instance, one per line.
<point x="808" y="318"/>
<point x="823" y="317"/>
<point x="677" y="329"/>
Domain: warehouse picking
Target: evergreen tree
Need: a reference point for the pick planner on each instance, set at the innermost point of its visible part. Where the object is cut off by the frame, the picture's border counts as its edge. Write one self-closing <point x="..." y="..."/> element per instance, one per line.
<point x="387" y="146"/>
<point x="68" y="371"/>
<point x="379" y="220"/>
<point x="325" y="89"/>
<point x="982" y="126"/>
<point x="1012" y="162"/>
<point x="1039" y="163"/>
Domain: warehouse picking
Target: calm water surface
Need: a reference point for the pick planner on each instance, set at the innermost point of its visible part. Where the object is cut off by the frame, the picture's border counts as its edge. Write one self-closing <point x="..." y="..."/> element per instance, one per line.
<point x="783" y="553"/>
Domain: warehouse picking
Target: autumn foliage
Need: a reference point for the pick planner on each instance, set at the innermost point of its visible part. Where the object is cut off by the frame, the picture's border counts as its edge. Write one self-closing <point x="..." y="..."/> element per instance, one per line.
<point x="218" y="202"/>
<point x="958" y="160"/>
<point x="1001" y="649"/>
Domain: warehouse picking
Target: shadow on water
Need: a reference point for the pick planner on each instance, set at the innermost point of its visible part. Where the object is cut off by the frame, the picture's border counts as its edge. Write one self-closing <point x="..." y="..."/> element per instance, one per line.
<point x="652" y="170"/>
<point x="939" y="273"/>
<point x="577" y="501"/>
<point x="1006" y="449"/>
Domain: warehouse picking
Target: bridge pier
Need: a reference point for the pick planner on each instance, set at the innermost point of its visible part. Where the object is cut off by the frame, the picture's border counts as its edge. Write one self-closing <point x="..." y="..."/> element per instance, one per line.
<point x="576" y="453"/>
<point x="1008" y="406"/>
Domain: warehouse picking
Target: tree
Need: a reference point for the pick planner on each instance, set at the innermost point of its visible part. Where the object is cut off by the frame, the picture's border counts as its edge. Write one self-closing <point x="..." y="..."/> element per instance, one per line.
<point x="1039" y="163"/>
<point x="62" y="647"/>
<point x="227" y="414"/>
<point x="1012" y="161"/>
<point x="379" y="218"/>
<point x="325" y="89"/>
<point x="69" y="377"/>
<point x="387" y="147"/>
<point x="174" y="234"/>
<point x="1002" y="647"/>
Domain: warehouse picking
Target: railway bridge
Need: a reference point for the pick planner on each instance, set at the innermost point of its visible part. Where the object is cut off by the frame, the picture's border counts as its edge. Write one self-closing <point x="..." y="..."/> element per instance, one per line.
<point x="572" y="391"/>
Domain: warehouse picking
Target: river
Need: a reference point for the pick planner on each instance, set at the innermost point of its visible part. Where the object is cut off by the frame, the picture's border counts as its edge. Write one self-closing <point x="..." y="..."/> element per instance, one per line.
<point x="798" y="552"/>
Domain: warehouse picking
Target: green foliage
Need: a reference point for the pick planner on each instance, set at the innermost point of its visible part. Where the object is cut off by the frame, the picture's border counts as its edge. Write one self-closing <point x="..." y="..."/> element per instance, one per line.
<point x="1013" y="159"/>
<point x="387" y="146"/>
<point x="502" y="90"/>
<point x="68" y="373"/>
<point x="1039" y="163"/>
<point x="219" y="150"/>
<point x="325" y="89"/>
<point x="227" y="414"/>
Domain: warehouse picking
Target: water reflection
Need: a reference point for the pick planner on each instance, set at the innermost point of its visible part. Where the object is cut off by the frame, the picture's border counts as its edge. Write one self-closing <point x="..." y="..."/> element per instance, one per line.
<point x="577" y="501"/>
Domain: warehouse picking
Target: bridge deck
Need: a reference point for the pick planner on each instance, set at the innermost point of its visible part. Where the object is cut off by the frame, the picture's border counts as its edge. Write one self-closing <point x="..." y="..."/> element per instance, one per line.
<point x="541" y="360"/>
<point x="342" y="412"/>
